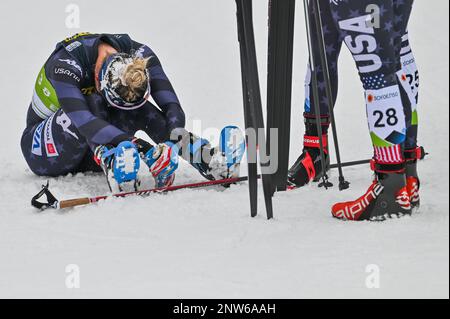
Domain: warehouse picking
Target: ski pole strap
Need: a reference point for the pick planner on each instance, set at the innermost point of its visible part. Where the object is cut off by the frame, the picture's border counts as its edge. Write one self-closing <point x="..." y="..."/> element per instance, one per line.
<point x="387" y="168"/>
<point x="314" y="142"/>
<point x="52" y="202"/>
<point x="415" y="154"/>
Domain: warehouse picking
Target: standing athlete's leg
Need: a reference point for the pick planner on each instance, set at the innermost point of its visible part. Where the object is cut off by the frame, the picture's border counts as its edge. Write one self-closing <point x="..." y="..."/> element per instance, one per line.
<point x="369" y="33"/>
<point x="308" y="167"/>
<point x="409" y="77"/>
<point x="409" y="73"/>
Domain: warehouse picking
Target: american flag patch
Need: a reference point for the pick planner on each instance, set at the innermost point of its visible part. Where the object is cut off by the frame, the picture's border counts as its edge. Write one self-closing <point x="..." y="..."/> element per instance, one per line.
<point x="389" y="155"/>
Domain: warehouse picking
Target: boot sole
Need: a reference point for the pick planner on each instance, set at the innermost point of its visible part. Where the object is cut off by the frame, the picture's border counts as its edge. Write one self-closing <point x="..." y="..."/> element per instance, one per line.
<point x="381" y="218"/>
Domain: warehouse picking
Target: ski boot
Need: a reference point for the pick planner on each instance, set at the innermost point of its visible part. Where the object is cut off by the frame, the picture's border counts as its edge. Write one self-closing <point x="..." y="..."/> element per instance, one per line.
<point x="387" y="197"/>
<point x="308" y="167"/>
<point x="162" y="161"/>
<point x="412" y="178"/>
<point x="120" y="164"/>
<point x="222" y="162"/>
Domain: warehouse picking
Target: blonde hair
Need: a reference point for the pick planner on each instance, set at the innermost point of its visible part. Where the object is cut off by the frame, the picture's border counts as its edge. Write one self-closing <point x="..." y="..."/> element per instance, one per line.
<point x="135" y="80"/>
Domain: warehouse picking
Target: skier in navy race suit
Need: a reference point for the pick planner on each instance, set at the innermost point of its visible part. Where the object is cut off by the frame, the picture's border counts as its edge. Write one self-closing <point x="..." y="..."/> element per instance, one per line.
<point x="376" y="33"/>
<point x="89" y="100"/>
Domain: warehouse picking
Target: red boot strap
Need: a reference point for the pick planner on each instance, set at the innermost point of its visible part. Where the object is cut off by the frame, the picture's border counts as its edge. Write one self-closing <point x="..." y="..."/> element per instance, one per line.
<point x="309" y="166"/>
<point x="313" y="142"/>
<point x="311" y="119"/>
<point x="387" y="168"/>
<point x="415" y="154"/>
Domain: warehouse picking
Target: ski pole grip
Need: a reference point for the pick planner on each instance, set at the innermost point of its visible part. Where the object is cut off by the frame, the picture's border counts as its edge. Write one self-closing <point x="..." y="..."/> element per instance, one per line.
<point x="74" y="203"/>
<point x="51" y="202"/>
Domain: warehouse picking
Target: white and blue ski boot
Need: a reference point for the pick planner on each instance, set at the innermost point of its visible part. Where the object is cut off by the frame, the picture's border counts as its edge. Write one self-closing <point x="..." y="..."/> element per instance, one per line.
<point x="162" y="161"/>
<point x="121" y="165"/>
<point x="224" y="161"/>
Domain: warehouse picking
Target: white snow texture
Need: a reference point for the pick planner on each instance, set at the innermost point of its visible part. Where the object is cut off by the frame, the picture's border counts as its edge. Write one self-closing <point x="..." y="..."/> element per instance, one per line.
<point x="203" y="244"/>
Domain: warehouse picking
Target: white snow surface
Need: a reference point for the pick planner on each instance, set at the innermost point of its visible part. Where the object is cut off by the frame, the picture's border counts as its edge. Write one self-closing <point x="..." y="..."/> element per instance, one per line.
<point x="203" y="244"/>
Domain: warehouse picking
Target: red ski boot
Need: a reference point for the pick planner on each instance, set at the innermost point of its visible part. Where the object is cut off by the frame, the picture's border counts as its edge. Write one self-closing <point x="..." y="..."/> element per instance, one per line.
<point x="387" y="197"/>
<point x="308" y="166"/>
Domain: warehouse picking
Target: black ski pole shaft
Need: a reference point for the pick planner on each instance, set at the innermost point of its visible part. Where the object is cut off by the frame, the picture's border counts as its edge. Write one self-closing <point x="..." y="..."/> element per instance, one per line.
<point x="315" y="90"/>
<point x="54" y="203"/>
<point x="343" y="184"/>
<point x="349" y="164"/>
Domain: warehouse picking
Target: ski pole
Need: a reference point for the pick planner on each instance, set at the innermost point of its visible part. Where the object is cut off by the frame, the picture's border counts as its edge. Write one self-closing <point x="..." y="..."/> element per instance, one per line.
<point x="349" y="164"/>
<point x="53" y="202"/>
<point x="315" y="90"/>
<point x="343" y="184"/>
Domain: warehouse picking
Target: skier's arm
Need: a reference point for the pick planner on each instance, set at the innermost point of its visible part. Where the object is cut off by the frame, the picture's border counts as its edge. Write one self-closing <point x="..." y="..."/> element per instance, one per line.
<point x="66" y="82"/>
<point x="162" y="90"/>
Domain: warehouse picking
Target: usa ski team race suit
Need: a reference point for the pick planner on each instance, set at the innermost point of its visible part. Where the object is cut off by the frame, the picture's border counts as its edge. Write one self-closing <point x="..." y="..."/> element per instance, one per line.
<point x="68" y="119"/>
<point x="376" y="34"/>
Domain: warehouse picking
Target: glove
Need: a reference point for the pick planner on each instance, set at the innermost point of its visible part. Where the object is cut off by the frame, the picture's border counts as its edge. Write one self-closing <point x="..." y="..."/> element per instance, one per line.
<point x="161" y="159"/>
<point x="142" y="146"/>
<point x="103" y="161"/>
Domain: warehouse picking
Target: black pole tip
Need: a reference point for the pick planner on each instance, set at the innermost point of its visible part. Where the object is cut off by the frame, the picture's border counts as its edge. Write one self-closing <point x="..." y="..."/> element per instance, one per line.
<point x="343" y="185"/>
<point x="326" y="183"/>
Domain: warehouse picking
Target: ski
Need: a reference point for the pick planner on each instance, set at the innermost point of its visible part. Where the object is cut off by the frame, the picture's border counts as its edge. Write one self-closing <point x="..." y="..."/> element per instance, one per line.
<point x="251" y="152"/>
<point x="279" y="83"/>
<point x="54" y="203"/>
<point x="252" y="106"/>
